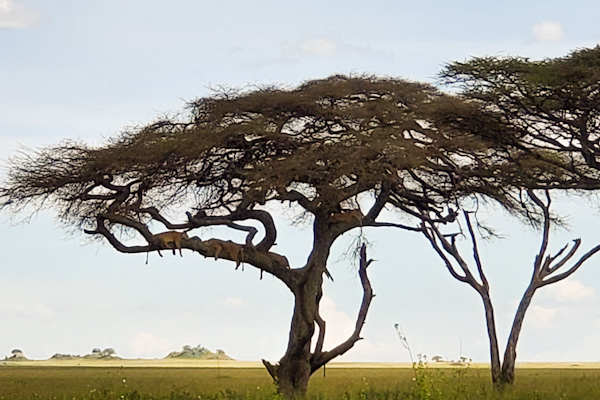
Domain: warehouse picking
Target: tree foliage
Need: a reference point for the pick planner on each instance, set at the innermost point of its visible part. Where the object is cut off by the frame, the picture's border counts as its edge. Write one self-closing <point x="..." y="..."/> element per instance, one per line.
<point x="319" y="146"/>
<point x="552" y="105"/>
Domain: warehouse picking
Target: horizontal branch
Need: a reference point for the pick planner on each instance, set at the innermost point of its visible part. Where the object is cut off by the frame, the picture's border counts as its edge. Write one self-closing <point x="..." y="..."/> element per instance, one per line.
<point x="101" y="229"/>
<point x="393" y="225"/>
<point x="265" y="261"/>
<point x="303" y="201"/>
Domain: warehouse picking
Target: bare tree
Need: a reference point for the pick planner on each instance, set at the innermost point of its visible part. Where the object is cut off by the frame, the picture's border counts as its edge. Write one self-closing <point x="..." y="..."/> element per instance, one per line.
<point x="547" y="269"/>
<point x="339" y="149"/>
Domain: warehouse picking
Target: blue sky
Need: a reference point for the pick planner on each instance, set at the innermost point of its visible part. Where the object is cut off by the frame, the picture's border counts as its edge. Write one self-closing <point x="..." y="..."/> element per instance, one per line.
<point x="85" y="70"/>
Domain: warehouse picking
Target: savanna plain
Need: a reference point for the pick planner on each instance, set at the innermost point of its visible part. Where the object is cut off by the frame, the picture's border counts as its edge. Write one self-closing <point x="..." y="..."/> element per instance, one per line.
<point x="183" y="380"/>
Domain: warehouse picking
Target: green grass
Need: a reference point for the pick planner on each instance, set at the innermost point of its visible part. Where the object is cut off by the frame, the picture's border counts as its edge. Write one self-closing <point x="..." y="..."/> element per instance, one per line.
<point x="133" y="383"/>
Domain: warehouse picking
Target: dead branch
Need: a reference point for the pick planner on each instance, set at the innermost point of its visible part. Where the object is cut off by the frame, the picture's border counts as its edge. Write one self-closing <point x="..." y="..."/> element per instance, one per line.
<point x="323" y="358"/>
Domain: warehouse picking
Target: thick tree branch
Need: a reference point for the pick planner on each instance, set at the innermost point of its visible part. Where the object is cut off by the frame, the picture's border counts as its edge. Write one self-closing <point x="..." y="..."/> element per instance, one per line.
<point x="379" y="204"/>
<point x="266" y="261"/>
<point x="303" y="201"/>
<point x="201" y="220"/>
<point x="322" y="328"/>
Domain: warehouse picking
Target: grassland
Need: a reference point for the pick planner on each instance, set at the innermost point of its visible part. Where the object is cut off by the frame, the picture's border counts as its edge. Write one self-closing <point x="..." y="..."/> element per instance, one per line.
<point x="189" y="379"/>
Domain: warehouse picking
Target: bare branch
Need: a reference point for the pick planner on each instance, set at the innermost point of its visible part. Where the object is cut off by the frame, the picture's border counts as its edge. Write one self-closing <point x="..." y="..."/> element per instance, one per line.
<point x="449" y="266"/>
<point x="324" y="357"/>
<point x="571" y="270"/>
<point x="476" y="256"/>
<point x="263" y="217"/>
<point x="101" y="229"/>
<point x="567" y="257"/>
<point x="392" y="225"/>
<point x="538" y="264"/>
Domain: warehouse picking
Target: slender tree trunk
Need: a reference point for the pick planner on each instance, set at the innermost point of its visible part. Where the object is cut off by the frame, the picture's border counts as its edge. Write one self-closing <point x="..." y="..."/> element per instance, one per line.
<point x="492" y="336"/>
<point x="510" y="354"/>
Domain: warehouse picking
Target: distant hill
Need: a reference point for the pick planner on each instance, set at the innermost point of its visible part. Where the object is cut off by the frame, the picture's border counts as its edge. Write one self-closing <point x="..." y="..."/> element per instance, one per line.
<point x="199" y="353"/>
<point x="16" y="355"/>
<point x="96" y="354"/>
<point x="59" y="356"/>
<point x="188" y="352"/>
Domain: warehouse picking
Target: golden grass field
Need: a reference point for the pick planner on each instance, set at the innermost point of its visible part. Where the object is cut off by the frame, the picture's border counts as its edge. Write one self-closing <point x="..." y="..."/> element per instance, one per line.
<point x="193" y="363"/>
<point x="198" y="379"/>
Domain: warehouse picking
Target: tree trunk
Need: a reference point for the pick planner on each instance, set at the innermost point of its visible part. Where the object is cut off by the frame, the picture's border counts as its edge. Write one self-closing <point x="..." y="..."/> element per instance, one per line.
<point x="292" y="377"/>
<point x="295" y="367"/>
<point x="492" y="336"/>
<point x="293" y="371"/>
<point x="510" y="354"/>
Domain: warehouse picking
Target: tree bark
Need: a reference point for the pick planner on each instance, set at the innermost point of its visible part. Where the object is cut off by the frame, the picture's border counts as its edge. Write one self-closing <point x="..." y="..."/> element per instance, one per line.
<point x="510" y="353"/>
<point x="492" y="336"/>
<point x="293" y="371"/>
<point x="294" y="368"/>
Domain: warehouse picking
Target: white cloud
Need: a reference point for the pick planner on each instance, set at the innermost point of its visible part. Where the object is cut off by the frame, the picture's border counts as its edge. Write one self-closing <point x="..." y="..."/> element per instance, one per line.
<point x="146" y="345"/>
<point x="316" y="46"/>
<point x="16" y="15"/>
<point x="571" y="290"/>
<point x="319" y="46"/>
<point x="542" y="315"/>
<point x="339" y="324"/>
<point x="548" y="31"/>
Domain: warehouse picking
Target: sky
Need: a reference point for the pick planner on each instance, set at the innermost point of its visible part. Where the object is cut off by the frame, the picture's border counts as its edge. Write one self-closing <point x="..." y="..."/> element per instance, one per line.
<point x="87" y="70"/>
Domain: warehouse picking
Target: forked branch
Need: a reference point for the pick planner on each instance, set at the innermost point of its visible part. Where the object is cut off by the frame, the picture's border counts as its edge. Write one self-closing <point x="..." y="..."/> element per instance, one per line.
<point x="546" y="265"/>
<point x="322" y="358"/>
<point x="448" y="250"/>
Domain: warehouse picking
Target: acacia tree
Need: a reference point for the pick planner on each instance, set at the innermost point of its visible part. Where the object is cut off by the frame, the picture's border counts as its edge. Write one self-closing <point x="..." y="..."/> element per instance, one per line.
<point x="547" y="112"/>
<point x="322" y="147"/>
